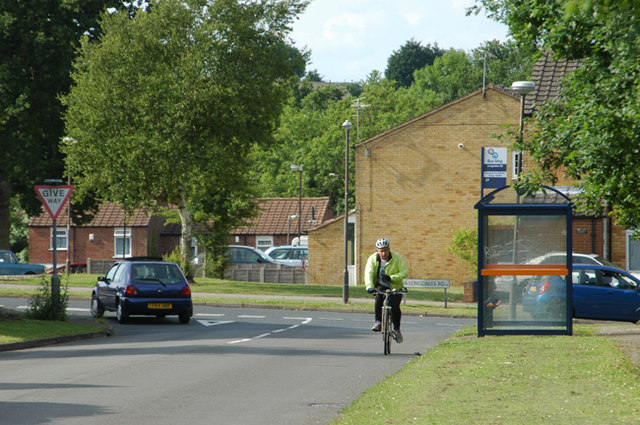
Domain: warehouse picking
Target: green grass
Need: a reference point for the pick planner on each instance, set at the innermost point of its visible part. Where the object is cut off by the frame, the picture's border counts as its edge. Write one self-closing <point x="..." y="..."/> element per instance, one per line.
<point x="15" y="328"/>
<point x="507" y="380"/>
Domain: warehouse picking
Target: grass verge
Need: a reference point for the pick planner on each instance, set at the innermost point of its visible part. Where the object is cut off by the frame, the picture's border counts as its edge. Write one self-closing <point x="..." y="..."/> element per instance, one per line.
<point x="507" y="380"/>
<point x="15" y="328"/>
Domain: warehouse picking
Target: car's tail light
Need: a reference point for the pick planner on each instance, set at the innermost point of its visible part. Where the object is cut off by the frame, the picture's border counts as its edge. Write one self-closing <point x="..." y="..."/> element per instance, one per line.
<point x="186" y="291"/>
<point x="544" y="287"/>
<point x="131" y="290"/>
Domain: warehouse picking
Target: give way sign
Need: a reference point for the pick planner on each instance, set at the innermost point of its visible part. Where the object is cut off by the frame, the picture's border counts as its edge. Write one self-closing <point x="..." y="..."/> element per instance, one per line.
<point x="54" y="198"/>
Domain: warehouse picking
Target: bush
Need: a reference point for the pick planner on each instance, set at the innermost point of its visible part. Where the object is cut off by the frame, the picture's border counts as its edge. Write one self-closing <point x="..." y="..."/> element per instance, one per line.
<point x="465" y="246"/>
<point x="42" y="306"/>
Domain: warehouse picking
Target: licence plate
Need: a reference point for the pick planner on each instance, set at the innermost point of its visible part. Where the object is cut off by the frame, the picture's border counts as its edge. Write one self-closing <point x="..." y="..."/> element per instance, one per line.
<point x="533" y="289"/>
<point x="159" y="305"/>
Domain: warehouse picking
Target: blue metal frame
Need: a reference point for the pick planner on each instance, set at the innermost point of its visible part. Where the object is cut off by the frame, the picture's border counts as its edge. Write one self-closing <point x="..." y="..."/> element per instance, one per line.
<point x="485" y="208"/>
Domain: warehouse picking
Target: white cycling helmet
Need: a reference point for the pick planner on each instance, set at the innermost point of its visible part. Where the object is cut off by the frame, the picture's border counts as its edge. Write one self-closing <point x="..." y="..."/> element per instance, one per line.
<point x="382" y="243"/>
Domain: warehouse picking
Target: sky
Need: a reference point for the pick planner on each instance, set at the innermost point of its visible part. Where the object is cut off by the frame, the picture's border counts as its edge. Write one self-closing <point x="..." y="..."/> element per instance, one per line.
<point x="349" y="39"/>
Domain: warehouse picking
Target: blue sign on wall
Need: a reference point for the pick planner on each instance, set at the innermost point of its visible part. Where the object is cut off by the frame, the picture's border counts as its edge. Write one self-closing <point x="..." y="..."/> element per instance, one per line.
<point x="494" y="168"/>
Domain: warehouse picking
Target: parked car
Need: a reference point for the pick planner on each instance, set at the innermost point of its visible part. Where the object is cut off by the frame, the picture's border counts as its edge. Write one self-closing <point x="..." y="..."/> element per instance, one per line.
<point x="290" y="255"/>
<point x="503" y="283"/>
<point x="245" y="254"/>
<point x="10" y="265"/>
<point x="599" y="292"/>
<point x="143" y="286"/>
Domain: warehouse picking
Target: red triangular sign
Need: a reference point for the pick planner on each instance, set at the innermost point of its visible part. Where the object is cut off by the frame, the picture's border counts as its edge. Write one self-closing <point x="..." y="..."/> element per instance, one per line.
<point x="53" y="198"/>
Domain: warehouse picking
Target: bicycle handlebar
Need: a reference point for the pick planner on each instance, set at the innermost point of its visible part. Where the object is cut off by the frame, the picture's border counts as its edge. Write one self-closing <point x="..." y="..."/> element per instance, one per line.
<point x="390" y="291"/>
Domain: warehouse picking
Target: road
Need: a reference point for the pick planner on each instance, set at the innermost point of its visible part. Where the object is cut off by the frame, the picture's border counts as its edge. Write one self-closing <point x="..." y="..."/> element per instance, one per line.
<point x="228" y="366"/>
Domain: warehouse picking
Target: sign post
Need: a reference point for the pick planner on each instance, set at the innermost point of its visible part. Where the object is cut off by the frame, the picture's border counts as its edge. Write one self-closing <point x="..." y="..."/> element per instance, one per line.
<point x="53" y="198"/>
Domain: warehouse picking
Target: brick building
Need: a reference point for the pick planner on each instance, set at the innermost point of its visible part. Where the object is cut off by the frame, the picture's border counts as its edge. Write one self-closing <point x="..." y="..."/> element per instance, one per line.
<point x="104" y="238"/>
<point x="418" y="182"/>
<point x="415" y="185"/>
<point x="278" y="223"/>
<point x="145" y="234"/>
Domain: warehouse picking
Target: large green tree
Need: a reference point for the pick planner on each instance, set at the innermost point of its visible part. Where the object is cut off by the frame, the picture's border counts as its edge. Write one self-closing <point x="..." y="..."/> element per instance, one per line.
<point x="591" y="131"/>
<point x="38" y="39"/>
<point x="410" y="57"/>
<point x="167" y="106"/>
<point x="310" y="134"/>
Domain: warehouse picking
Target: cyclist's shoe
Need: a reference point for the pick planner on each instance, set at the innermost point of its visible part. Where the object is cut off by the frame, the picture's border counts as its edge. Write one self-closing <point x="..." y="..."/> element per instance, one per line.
<point x="397" y="335"/>
<point x="377" y="327"/>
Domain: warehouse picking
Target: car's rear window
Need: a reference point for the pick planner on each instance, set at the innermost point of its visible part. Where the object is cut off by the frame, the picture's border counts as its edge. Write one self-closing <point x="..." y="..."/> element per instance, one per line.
<point x="156" y="273"/>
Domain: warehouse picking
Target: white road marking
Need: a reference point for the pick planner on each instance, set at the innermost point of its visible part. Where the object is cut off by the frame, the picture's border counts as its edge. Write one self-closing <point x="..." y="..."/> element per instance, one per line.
<point x="248" y="316"/>
<point x="208" y="323"/>
<point x="209" y="314"/>
<point x="305" y="320"/>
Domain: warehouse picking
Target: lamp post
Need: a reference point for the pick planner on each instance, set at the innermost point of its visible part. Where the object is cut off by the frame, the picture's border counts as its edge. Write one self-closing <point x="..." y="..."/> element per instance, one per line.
<point x="345" y="289"/>
<point x="298" y="168"/>
<point x="522" y="88"/>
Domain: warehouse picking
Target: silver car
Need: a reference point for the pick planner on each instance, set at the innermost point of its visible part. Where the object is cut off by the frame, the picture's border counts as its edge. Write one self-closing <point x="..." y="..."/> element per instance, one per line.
<point x="289" y="255"/>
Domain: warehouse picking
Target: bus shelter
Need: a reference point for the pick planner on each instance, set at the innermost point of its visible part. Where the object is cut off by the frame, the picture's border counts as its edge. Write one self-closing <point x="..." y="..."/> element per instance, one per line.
<point x="524" y="274"/>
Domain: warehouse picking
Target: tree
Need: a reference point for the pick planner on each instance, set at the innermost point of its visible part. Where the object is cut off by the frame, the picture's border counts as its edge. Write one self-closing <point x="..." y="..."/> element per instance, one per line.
<point x="505" y="62"/>
<point x="452" y="75"/>
<point x="590" y="133"/>
<point x="38" y="39"/>
<point x="167" y="106"/>
<point x="409" y="58"/>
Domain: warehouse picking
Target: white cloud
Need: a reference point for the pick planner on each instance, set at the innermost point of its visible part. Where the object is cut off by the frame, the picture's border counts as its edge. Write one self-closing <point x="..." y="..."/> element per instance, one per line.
<point x="412" y="18"/>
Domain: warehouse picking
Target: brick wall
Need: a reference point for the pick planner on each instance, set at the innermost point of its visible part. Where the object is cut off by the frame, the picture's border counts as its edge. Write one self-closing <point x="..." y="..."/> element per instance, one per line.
<point x="326" y="253"/>
<point x="81" y="247"/>
<point x="415" y="186"/>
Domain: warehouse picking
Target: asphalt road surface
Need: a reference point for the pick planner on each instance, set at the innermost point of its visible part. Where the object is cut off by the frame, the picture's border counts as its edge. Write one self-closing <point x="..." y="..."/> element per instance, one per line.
<point x="228" y="366"/>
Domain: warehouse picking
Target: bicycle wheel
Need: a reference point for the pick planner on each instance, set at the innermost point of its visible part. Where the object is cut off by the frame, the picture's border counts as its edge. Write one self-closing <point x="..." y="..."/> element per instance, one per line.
<point x="386" y="329"/>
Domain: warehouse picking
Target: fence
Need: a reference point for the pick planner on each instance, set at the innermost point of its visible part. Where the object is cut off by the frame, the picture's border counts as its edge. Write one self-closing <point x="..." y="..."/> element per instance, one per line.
<point x="98" y="266"/>
<point x="266" y="273"/>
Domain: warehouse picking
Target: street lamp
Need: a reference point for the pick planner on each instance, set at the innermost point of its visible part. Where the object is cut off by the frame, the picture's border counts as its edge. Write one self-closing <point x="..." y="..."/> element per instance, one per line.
<point x="345" y="289"/>
<point x="298" y="169"/>
<point x="522" y="88"/>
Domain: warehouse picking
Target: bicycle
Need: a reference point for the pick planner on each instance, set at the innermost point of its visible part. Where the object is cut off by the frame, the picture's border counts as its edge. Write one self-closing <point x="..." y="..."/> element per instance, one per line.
<point x="387" y="322"/>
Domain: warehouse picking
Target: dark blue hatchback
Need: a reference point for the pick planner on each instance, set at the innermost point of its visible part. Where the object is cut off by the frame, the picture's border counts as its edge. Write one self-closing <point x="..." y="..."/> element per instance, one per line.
<point x="148" y="287"/>
<point x="599" y="292"/>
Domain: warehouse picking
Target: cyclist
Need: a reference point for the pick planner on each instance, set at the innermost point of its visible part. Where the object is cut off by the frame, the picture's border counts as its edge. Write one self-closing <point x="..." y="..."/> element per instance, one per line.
<point x="386" y="270"/>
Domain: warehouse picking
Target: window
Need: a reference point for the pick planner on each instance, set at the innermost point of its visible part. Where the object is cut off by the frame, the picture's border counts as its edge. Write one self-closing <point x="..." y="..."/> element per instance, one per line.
<point x="517" y="165"/>
<point x="264" y="242"/>
<point x="121" y="242"/>
<point x="633" y="252"/>
<point x="61" y="239"/>
<point x="194" y="248"/>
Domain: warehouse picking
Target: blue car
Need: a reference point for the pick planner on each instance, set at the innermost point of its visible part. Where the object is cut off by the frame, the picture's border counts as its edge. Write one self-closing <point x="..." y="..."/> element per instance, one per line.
<point x="599" y="292"/>
<point x="10" y="265"/>
<point x="141" y="286"/>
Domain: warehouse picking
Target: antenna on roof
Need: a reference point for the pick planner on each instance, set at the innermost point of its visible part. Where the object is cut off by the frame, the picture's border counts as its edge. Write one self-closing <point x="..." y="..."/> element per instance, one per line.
<point x="356" y="104"/>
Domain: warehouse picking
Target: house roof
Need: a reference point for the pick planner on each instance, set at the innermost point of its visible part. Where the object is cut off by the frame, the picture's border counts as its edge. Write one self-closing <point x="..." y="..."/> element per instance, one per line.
<point x="547" y="73"/>
<point x="274" y="219"/>
<point x="108" y="215"/>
